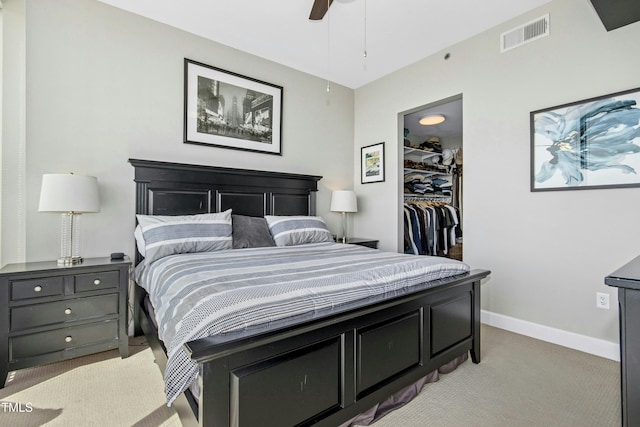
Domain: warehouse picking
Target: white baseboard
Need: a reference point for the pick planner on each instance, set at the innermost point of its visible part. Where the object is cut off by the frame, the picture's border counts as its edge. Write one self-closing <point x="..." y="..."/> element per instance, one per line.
<point x="572" y="340"/>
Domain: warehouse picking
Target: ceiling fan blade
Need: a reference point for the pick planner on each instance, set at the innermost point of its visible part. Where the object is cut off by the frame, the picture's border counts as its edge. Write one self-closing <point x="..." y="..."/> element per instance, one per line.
<point x="319" y="9"/>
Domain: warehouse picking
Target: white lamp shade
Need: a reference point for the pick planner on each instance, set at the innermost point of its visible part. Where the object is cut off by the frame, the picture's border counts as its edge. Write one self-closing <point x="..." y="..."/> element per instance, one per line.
<point x="69" y="193"/>
<point x="344" y="201"/>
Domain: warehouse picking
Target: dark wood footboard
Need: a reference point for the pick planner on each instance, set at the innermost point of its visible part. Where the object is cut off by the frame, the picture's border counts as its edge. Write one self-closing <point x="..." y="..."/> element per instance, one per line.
<point x="326" y="371"/>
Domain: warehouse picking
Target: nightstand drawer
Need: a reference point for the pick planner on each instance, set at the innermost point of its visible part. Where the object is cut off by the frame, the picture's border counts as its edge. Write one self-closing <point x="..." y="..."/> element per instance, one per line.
<point x="37" y="288"/>
<point x="95" y="281"/>
<point x="33" y="345"/>
<point x="63" y="311"/>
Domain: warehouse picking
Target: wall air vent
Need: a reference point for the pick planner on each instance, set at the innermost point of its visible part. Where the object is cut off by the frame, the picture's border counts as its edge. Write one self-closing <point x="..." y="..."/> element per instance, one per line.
<point x="526" y="33"/>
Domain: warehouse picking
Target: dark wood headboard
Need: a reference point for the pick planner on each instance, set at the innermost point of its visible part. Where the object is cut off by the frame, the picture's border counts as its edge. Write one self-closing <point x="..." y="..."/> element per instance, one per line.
<point x="164" y="188"/>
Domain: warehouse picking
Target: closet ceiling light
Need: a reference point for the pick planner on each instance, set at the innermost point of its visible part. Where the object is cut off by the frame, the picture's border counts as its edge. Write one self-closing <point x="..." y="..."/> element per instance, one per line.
<point x="432" y="119"/>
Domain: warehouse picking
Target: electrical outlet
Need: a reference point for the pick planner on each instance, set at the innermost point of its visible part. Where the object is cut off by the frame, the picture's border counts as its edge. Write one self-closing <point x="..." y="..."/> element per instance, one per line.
<point x="602" y="300"/>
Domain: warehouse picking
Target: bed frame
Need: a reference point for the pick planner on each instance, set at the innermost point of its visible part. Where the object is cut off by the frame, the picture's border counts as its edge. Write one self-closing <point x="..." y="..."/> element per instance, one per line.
<point x="322" y="371"/>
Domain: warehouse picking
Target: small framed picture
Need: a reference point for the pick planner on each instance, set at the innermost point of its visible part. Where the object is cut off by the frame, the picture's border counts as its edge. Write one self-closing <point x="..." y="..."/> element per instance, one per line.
<point x="372" y="163"/>
<point x="226" y="109"/>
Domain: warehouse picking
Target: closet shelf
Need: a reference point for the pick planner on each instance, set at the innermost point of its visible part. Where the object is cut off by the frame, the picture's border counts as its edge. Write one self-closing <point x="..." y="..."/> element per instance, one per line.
<point x="423" y="154"/>
<point x="425" y="171"/>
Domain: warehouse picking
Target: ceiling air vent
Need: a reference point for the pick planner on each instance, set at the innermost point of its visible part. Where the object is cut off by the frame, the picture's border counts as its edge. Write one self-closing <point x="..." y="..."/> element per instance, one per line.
<point x="526" y="33"/>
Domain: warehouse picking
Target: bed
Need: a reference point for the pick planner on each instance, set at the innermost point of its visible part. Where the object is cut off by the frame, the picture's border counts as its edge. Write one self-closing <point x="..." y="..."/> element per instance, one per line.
<point x="324" y="366"/>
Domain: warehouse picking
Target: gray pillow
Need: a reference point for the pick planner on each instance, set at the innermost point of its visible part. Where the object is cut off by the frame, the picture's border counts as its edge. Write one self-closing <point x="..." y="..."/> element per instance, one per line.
<point x="250" y="232"/>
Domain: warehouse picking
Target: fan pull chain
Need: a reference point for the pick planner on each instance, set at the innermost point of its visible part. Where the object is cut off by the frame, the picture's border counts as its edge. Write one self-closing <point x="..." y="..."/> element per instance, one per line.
<point x="365" y="29"/>
<point x="328" y="48"/>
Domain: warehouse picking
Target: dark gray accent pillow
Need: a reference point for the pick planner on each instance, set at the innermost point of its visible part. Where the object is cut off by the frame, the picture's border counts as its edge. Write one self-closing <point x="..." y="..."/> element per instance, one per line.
<point x="250" y="232"/>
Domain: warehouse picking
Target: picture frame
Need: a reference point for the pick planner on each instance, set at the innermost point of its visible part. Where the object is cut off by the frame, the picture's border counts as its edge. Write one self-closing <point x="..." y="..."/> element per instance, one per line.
<point x="588" y="144"/>
<point x="229" y="110"/>
<point x="372" y="163"/>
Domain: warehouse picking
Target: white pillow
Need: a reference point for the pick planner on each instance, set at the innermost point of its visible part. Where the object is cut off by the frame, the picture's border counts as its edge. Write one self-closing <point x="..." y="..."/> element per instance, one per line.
<point x="169" y="235"/>
<point x="298" y="230"/>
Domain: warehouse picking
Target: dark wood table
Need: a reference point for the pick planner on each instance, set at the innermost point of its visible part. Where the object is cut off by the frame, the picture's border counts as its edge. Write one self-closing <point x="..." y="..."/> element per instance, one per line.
<point x="627" y="280"/>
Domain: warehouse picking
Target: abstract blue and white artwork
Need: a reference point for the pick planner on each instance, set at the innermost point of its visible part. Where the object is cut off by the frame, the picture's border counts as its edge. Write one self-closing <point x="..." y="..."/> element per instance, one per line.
<point x="593" y="143"/>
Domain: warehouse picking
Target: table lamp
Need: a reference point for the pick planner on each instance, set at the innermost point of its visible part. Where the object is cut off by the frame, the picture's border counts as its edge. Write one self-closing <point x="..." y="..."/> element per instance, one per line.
<point x="72" y="195"/>
<point x="344" y="201"/>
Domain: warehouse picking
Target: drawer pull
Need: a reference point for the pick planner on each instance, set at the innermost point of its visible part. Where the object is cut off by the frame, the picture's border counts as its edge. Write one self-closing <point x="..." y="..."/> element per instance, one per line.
<point x="37" y="289"/>
<point x="67" y="311"/>
<point x="96" y="282"/>
<point x="68" y="338"/>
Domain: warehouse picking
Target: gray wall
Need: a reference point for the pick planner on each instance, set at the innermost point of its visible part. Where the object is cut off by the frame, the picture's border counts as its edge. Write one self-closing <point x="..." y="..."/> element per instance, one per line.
<point x="88" y="86"/>
<point x="13" y="129"/>
<point x="548" y="251"/>
<point x="103" y="85"/>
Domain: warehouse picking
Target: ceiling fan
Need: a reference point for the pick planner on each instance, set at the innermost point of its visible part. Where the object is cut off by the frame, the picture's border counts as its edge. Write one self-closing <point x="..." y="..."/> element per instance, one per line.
<point x="319" y="9"/>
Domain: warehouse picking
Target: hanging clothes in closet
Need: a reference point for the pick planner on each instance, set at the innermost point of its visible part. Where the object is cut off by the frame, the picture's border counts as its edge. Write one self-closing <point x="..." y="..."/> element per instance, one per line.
<point x="430" y="228"/>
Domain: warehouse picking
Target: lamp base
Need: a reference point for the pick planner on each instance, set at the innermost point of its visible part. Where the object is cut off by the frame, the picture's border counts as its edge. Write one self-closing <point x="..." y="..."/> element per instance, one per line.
<point x="343" y="239"/>
<point x="70" y="260"/>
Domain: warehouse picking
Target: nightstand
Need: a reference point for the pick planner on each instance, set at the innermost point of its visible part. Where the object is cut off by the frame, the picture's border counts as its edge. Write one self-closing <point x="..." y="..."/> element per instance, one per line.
<point x="363" y="242"/>
<point x="50" y="313"/>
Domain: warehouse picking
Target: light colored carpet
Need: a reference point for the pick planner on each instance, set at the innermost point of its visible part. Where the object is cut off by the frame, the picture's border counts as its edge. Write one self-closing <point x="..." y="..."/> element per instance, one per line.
<point x="520" y="382"/>
<point x="97" y="390"/>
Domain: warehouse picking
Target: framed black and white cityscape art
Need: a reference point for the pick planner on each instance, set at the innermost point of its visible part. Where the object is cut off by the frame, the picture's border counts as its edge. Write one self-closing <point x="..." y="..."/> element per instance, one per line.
<point x="372" y="159"/>
<point x="594" y="143"/>
<point x="226" y="109"/>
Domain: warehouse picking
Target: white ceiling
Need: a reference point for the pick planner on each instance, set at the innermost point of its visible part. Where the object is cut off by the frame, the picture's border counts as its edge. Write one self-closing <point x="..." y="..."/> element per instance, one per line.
<point x="398" y="32"/>
<point x="451" y="128"/>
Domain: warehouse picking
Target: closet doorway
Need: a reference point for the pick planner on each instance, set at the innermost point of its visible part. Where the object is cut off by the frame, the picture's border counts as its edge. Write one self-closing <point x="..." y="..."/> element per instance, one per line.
<point x="431" y="205"/>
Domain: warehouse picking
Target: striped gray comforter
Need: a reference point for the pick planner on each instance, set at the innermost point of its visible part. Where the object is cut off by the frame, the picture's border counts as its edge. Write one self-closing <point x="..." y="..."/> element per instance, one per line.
<point x="203" y="294"/>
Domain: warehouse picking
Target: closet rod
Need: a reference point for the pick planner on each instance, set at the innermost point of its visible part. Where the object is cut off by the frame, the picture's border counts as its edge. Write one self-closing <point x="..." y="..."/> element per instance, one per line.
<point x="412" y="198"/>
